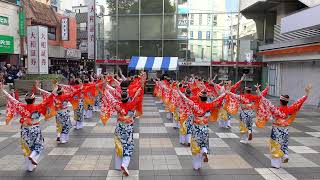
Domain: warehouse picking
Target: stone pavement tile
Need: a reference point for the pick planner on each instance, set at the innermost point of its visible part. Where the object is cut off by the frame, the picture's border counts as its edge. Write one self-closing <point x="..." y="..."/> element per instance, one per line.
<point x="153" y="130"/>
<point x="90" y="124"/>
<point x="227" y="162"/>
<point x="307" y="141"/>
<point x="150" y="120"/>
<point x="97" y="178"/>
<point x="3" y="138"/>
<point x="314" y="134"/>
<point x="151" y="177"/>
<point x="302" y="150"/>
<point x="136" y="135"/>
<point x="183" y="151"/>
<point x="115" y="175"/>
<point x="159" y="162"/>
<point x="155" y="143"/>
<point x="89" y="163"/>
<point x="227" y="135"/>
<point x="10" y="128"/>
<point x="63" y="151"/>
<point x="151" y="109"/>
<point x="217" y="142"/>
<point x="259" y="142"/>
<point x="12" y="163"/>
<point x="103" y="129"/>
<point x="297" y="160"/>
<point x="98" y="143"/>
<point x="50" y="129"/>
<point x="272" y="173"/>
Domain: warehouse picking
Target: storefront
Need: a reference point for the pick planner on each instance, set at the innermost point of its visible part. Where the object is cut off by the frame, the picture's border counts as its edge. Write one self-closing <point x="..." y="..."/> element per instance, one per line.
<point x="9" y="34"/>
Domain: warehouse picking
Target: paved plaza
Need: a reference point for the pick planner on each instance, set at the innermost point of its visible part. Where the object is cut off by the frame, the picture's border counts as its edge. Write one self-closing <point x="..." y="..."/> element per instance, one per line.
<point x="158" y="154"/>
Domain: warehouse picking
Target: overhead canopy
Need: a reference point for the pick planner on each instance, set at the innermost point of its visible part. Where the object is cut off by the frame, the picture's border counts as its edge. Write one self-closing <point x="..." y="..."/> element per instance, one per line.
<point x="153" y="63"/>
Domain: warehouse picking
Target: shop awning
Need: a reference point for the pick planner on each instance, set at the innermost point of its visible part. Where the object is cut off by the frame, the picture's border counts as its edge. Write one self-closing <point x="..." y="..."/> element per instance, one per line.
<point x="153" y="63"/>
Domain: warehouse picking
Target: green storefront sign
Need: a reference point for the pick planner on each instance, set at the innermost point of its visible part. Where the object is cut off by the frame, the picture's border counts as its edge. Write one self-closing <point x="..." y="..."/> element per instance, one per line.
<point x="4" y="20"/>
<point x="6" y="44"/>
<point x="22" y="20"/>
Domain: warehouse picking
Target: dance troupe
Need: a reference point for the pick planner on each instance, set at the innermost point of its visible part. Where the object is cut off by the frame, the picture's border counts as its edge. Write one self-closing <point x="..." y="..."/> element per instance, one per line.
<point x="191" y="104"/>
<point x="194" y="102"/>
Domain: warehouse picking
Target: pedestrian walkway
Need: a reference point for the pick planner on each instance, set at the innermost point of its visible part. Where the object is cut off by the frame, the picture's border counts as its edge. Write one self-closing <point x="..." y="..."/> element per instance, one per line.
<point x="158" y="154"/>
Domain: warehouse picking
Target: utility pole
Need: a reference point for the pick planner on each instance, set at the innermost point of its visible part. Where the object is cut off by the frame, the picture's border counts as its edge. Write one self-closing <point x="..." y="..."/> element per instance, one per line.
<point x="238" y="41"/>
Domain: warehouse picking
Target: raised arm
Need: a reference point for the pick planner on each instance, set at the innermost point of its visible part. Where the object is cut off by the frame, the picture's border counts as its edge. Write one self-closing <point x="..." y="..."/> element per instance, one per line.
<point x="236" y="85"/>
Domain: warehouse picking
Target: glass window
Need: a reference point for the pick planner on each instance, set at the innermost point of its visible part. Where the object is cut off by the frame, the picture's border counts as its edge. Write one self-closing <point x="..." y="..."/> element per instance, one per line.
<point x="155" y="6"/>
<point x="192" y="19"/>
<point x="128" y="49"/>
<point x="209" y="19"/>
<point x="175" y="48"/>
<point x="191" y="34"/>
<point x="200" y="19"/>
<point x="83" y="26"/>
<point x="171" y="29"/>
<point x="51" y="33"/>
<point x="208" y="35"/>
<point x="151" y="48"/>
<point x="125" y="33"/>
<point x="200" y="35"/>
<point x="151" y="26"/>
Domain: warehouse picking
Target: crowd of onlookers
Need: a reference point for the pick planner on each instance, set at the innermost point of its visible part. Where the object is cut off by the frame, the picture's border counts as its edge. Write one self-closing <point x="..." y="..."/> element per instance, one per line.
<point x="9" y="73"/>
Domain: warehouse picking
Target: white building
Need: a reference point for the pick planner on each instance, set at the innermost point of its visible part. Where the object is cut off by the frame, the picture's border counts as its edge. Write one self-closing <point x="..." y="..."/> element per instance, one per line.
<point x="9" y="33"/>
<point x="206" y="29"/>
<point x="289" y="38"/>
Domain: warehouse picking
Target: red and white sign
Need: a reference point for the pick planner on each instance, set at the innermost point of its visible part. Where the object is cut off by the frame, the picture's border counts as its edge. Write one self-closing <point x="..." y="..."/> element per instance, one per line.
<point x="37" y="50"/>
<point x="91" y="28"/>
<point x="65" y="29"/>
<point x="43" y="50"/>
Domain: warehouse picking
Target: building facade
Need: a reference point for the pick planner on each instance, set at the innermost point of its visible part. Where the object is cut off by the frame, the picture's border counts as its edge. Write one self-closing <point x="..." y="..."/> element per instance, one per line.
<point x="203" y="34"/>
<point x="9" y="33"/>
<point x="62" y="47"/>
<point x="290" y="49"/>
<point x="81" y="12"/>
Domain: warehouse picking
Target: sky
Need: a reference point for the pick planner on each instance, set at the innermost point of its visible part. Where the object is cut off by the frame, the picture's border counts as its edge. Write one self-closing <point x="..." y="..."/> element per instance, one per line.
<point x="67" y="4"/>
<point x="232" y="5"/>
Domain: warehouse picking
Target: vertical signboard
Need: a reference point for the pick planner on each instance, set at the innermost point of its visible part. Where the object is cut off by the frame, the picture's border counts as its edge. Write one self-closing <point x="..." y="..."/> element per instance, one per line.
<point x="43" y="50"/>
<point x="22" y="20"/>
<point x="65" y="29"/>
<point x="33" y="58"/>
<point x="37" y="50"/>
<point x="91" y="28"/>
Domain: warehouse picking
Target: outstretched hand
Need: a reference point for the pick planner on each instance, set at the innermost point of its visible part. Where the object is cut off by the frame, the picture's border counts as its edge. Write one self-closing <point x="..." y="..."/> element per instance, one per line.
<point x="243" y="77"/>
<point x="308" y="89"/>
<point x="257" y="86"/>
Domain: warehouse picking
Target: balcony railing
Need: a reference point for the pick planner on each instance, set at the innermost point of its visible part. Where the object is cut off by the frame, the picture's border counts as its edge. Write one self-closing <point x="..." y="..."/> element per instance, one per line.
<point x="305" y="33"/>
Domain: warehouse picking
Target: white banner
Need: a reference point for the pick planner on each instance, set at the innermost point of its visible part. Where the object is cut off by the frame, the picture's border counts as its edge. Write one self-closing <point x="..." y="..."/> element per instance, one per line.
<point x="37" y="50"/>
<point x="65" y="29"/>
<point x="33" y="50"/>
<point x="43" y="50"/>
<point x="91" y="28"/>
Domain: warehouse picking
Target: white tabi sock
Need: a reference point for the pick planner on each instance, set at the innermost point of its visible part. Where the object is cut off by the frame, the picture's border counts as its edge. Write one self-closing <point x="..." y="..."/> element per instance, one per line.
<point x="125" y="161"/>
<point x="182" y="139"/>
<point x="79" y="125"/>
<point x="196" y="161"/>
<point x="63" y="138"/>
<point x="34" y="155"/>
<point x="29" y="165"/>
<point x="89" y="114"/>
<point x="204" y="150"/>
<point x="188" y="138"/>
<point x="117" y="162"/>
<point x="276" y="162"/>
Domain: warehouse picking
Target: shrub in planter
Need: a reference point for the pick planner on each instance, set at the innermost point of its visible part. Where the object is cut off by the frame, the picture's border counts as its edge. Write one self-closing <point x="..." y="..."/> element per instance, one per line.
<point x="27" y="82"/>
